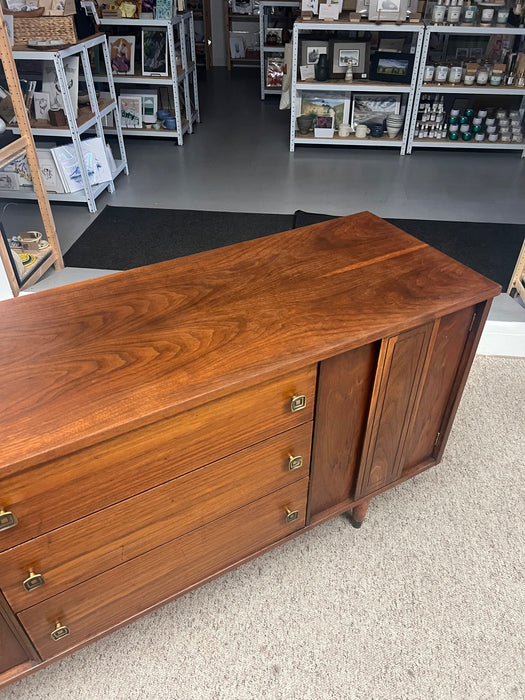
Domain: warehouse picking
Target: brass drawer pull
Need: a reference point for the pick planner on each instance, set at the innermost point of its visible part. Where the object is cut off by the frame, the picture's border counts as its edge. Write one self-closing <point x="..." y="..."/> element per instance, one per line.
<point x="33" y="581"/>
<point x="294" y="462"/>
<point x="59" y="632"/>
<point x="297" y="403"/>
<point x="291" y="515"/>
<point x="7" y="519"/>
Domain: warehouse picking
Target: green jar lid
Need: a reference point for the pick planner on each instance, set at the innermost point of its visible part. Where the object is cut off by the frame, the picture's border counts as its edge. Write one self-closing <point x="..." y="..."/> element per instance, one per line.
<point x="463" y="120"/>
<point x="453" y="136"/>
<point x="476" y="128"/>
<point x="469" y="112"/>
<point x="467" y="136"/>
<point x="453" y="120"/>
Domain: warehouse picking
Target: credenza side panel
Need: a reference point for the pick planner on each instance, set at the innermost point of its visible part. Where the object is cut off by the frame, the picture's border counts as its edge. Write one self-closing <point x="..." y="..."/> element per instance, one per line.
<point x="15" y="648"/>
<point x="343" y="398"/>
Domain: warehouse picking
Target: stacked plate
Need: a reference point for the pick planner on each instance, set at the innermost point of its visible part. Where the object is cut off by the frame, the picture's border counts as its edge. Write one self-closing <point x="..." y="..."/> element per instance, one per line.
<point x="394" y="124"/>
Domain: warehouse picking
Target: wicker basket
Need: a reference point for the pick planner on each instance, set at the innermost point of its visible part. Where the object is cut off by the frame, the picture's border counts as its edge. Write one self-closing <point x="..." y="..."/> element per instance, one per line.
<point x="28" y="28"/>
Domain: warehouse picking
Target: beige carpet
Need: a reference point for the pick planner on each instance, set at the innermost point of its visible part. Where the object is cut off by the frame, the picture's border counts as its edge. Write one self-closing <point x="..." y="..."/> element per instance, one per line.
<point x="425" y="602"/>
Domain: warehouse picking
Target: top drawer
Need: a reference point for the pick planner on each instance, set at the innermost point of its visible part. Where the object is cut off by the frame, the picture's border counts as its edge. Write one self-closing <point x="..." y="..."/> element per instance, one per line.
<point x="57" y="492"/>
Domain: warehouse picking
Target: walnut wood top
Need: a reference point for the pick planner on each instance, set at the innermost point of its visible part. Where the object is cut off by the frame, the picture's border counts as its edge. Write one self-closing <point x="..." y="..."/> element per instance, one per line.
<point x="90" y="360"/>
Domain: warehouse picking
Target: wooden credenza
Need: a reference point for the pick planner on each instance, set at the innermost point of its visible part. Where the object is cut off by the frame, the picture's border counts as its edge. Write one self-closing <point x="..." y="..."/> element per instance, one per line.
<point x="160" y="426"/>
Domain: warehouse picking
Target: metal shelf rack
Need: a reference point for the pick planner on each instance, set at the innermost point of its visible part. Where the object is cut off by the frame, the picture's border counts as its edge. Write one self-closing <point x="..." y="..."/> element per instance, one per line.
<point x="444" y="89"/>
<point x="417" y="30"/>
<point x="182" y="79"/>
<point x="265" y="7"/>
<point x="88" y="118"/>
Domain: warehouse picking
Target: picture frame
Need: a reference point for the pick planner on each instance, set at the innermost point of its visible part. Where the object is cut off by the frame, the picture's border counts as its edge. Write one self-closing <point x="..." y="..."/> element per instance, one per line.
<point x="310" y="6"/>
<point x="368" y="107"/>
<point x="154" y="52"/>
<point x="122" y="54"/>
<point x="273" y="36"/>
<point x="387" y="10"/>
<point x="311" y="49"/>
<point x="389" y="67"/>
<point x="41" y="105"/>
<point x="164" y="9"/>
<point x="242" y="7"/>
<point x="274" y="72"/>
<point x="324" y="127"/>
<point x="130" y="108"/>
<point x="330" y="104"/>
<point x="344" y="51"/>
<point x="51" y="86"/>
<point x="149" y="102"/>
<point x="48" y="168"/>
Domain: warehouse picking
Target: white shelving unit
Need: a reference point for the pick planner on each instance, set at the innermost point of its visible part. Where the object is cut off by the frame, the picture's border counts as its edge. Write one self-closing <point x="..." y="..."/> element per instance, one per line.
<point x="416" y="31"/>
<point x="182" y="80"/>
<point x="491" y="93"/>
<point x="265" y="8"/>
<point x="88" y="118"/>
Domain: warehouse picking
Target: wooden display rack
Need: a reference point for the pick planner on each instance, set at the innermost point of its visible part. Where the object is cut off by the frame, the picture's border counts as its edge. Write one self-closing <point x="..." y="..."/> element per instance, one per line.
<point x="25" y="145"/>
<point x="517" y="281"/>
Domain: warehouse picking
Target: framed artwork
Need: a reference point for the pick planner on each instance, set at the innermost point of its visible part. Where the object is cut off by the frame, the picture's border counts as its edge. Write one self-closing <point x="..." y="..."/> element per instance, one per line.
<point x="273" y="36"/>
<point x="387" y="10"/>
<point x="346" y="52"/>
<point x="41" y="105"/>
<point x="325" y="104"/>
<point x="51" y="86"/>
<point x="237" y="48"/>
<point x="48" y="168"/>
<point x="122" y="54"/>
<point x="311" y="49"/>
<point x="388" y="67"/>
<point x="154" y="52"/>
<point x="130" y="111"/>
<point x="242" y="7"/>
<point x="163" y="9"/>
<point x="9" y="181"/>
<point x="149" y="103"/>
<point x="274" y="72"/>
<point x="310" y="6"/>
<point x="371" y="107"/>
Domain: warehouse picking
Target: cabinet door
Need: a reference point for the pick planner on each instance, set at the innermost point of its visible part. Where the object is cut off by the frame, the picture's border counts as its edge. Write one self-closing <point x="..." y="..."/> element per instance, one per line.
<point x="343" y="399"/>
<point x="399" y="371"/>
<point x="448" y="362"/>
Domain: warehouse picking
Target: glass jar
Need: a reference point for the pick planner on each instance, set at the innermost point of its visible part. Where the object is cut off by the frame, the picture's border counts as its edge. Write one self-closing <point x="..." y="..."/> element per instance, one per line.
<point x="502" y="16"/>
<point x="487" y="15"/>
<point x="438" y="13"/>
<point x="455" y="74"/>
<point x="428" y="75"/>
<point x="441" y="74"/>
<point x="482" y="77"/>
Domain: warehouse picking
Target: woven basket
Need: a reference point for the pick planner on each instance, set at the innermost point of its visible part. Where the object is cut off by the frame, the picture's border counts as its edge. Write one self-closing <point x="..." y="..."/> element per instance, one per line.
<point x="28" y="28"/>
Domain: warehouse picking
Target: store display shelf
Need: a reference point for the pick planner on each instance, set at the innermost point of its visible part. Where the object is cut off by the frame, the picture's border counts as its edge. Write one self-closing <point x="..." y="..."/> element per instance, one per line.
<point x="127" y="22"/>
<point x="446" y="143"/>
<point x="155" y="133"/>
<point x="462" y="29"/>
<point x="279" y="48"/>
<point x="473" y="89"/>
<point x="69" y="197"/>
<point x="355" y="86"/>
<point x="86" y="120"/>
<point x="344" y="25"/>
<point x="352" y="140"/>
<point x="146" y="79"/>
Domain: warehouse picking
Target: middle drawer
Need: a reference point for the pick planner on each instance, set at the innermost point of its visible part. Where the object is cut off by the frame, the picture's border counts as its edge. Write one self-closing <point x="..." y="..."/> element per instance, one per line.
<point x="82" y="549"/>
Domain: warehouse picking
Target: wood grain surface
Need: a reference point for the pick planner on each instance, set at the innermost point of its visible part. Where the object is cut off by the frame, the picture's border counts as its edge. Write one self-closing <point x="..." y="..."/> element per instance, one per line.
<point x="106" y="600"/>
<point x="88" y="361"/>
<point x="109" y="537"/>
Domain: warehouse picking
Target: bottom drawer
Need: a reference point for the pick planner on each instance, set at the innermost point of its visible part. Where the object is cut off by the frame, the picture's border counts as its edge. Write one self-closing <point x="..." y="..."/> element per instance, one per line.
<point x="119" y="594"/>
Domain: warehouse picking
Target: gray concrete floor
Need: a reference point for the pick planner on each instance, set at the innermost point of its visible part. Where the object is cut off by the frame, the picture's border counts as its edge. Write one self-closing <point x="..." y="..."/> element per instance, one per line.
<point x="238" y="159"/>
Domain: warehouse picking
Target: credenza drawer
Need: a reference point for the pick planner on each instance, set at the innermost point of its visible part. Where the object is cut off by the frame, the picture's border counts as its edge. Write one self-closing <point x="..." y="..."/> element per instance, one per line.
<point x="55" y="493"/>
<point x="78" y="551"/>
<point x="119" y="594"/>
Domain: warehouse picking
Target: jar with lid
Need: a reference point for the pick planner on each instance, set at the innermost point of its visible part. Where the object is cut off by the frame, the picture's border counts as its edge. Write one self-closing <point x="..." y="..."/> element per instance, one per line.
<point x="487" y="15"/>
<point x="455" y="74"/>
<point x="453" y="12"/>
<point x="438" y="12"/>
<point x="441" y="73"/>
<point x="482" y="77"/>
<point x="469" y="13"/>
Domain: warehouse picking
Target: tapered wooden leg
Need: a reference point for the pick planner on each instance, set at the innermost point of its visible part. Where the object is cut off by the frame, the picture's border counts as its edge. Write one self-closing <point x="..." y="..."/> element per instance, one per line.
<point x="358" y="513"/>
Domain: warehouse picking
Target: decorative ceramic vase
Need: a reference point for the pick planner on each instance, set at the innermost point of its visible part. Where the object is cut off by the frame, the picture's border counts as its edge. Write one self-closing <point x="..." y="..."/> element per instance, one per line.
<point x="322" y="71"/>
<point x="305" y="123"/>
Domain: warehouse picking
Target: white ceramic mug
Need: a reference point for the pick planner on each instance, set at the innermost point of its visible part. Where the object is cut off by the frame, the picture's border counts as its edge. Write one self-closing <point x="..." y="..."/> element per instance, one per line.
<point x="362" y="131"/>
<point x="344" y="130"/>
